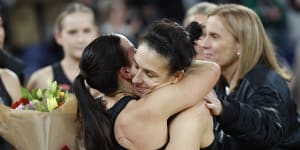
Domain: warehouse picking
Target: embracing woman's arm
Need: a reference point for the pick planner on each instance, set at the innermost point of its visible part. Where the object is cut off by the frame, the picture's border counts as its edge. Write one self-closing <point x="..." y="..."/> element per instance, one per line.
<point x="196" y="83"/>
<point x="146" y="119"/>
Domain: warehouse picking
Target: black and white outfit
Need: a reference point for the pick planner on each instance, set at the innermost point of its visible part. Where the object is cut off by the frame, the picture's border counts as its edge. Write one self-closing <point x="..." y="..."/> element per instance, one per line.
<point x="260" y="114"/>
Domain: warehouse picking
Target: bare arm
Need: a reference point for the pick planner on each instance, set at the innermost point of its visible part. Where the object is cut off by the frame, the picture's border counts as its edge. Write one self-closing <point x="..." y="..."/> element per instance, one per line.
<point x="146" y="119"/>
<point x="12" y="84"/>
<point x="197" y="82"/>
<point x="191" y="129"/>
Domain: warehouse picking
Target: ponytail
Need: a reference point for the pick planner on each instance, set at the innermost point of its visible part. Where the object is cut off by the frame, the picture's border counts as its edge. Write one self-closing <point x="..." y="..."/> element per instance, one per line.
<point x="97" y="128"/>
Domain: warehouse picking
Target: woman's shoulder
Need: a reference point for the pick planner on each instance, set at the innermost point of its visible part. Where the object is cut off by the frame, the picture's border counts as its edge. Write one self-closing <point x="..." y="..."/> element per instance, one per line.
<point x="6" y="73"/>
<point x="42" y="72"/>
<point x="263" y="76"/>
<point x="39" y="78"/>
<point x="11" y="83"/>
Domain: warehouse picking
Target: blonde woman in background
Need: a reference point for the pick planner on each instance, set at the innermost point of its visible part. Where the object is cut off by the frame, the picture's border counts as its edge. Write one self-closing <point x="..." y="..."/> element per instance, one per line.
<point x="254" y="107"/>
<point x="75" y="28"/>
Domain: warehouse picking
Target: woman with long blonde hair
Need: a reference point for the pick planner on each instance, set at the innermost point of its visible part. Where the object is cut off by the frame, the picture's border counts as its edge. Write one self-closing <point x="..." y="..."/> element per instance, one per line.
<point x="254" y="107"/>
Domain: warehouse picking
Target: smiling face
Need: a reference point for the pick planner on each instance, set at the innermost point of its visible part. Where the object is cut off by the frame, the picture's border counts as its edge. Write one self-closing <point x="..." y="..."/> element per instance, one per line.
<point x="151" y="70"/>
<point x="77" y="31"/>
<point x="218" y="43"/>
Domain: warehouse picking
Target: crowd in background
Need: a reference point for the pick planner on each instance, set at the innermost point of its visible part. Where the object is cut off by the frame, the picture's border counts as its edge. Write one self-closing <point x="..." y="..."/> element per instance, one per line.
<point x="29" y="24"/>
<point x="251" y="101"/>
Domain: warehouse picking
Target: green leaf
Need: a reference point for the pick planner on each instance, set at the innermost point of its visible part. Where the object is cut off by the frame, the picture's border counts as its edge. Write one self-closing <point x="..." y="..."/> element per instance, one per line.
<point x="46" y="99"/>
<point x="26" y="93"/>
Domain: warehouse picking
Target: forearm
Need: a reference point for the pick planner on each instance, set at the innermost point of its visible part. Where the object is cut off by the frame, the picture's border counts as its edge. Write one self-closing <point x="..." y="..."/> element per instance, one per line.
<point x="200" y="65"/>
<point x="203" y="76"/>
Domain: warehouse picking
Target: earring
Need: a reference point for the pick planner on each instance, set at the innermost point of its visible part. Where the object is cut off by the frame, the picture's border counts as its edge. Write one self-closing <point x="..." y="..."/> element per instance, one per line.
<point x="238" y="53"/>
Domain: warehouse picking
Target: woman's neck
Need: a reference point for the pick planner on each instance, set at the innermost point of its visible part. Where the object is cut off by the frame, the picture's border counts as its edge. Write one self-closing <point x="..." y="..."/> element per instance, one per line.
<point x="112" y="100"/>
<point x="229" y="72"/>
<point x="125" y="89"/>
<point x="70" y="63"/>
<point x="70" y="68"/>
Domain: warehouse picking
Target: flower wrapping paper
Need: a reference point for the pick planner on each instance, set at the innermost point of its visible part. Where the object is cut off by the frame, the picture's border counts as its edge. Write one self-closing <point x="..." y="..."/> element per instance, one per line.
<point x="34" y="130"/>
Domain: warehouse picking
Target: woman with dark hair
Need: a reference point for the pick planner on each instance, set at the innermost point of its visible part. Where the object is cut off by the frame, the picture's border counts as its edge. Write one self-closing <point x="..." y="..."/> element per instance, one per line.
<point x="165" y="77"/>
<point x="104" y="66"/>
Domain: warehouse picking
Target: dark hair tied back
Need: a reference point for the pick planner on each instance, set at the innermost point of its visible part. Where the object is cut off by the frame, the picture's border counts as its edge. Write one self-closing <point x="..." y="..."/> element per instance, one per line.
<point x="195" y="31"/>
<point x="82" y="74"/>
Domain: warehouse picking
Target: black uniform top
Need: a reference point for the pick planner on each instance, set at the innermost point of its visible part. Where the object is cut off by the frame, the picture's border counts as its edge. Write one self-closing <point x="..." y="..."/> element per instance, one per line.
<point x="113" y="113"/>
<point x="60" y="77"/>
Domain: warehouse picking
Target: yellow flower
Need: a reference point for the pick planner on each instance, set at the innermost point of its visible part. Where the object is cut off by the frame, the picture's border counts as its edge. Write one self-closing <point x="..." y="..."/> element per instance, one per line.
<point x="51" y="103"/>
<point x="61" y="94"/>
<point x="39" y="93"/>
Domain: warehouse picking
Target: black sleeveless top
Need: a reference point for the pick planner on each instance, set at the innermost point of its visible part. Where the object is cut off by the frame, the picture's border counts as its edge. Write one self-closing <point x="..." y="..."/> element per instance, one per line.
<point x="114" y="112"/>
<point x="60" y="77"/>
<point x="212" y="146"/>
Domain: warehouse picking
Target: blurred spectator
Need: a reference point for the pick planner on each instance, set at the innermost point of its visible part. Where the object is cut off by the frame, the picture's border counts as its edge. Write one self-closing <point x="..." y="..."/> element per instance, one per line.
<point x="75" y="28"/>
<point x="45" y="52"/>
<point x="198" y="13"/>
<point x="114" y="16"/>
<point x="35" y="19"/>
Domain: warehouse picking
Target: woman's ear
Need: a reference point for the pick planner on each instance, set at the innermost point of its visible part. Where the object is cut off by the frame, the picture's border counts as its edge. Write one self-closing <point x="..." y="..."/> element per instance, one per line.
<point x="178" y="76"/>
<point x="57" y="36"/>
<point x="125" y="74"/>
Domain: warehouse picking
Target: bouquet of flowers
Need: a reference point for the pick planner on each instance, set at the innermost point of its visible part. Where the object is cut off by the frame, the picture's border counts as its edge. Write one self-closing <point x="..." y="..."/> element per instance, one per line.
<point x="44" y="100"/>
<point x="37" y="122"/>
